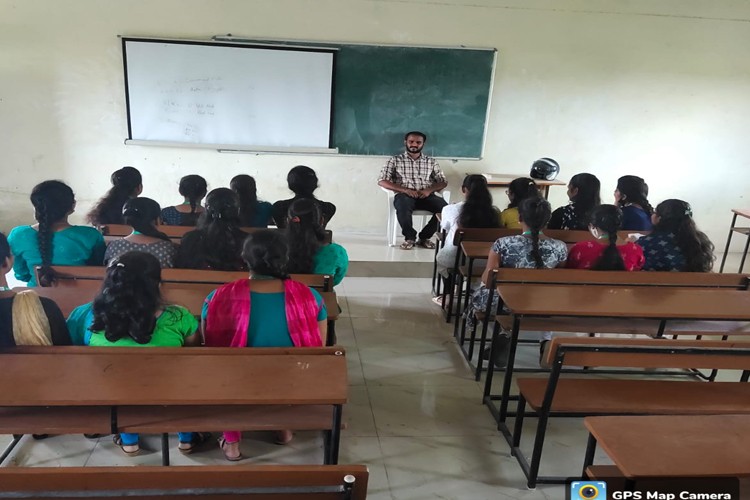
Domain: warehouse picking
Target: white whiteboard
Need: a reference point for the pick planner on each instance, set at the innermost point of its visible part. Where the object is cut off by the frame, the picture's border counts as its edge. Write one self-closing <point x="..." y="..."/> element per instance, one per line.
<point x="225" y="94"/>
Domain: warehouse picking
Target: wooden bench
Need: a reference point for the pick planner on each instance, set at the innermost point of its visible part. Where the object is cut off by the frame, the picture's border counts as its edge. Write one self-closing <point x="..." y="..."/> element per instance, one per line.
<point x="175" y="233"/>
<point x="649" y="447"/>
<point x="568" y="277"/>
<point x="339" y="482"/>
<point x="163" y="390"/>
<point x="575" y="397"/>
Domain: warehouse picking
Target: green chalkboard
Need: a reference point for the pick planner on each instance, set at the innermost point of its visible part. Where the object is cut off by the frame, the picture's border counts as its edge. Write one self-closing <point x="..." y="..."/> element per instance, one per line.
<point x="382" y="92"/>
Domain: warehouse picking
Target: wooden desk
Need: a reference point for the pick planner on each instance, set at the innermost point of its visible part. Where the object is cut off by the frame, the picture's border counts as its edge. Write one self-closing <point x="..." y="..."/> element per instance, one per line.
<point x="504" y="180"/>
<point x="673" y="446"/>
<point x="162" y="389"/>
<point x="530" y="301"/>
<point x="733" y="228"/>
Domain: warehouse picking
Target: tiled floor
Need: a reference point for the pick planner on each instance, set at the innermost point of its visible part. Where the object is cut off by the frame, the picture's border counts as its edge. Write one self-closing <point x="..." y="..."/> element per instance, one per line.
<point x="415" y="416"/>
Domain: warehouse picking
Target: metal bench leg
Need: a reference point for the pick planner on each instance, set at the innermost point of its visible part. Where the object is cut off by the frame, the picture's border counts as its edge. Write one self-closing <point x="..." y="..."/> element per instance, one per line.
<point x="10" y="447"/>
<point x="744" y="254"/>
<point x="729" y="239"/>
<point x="165" y="449"/>
<point x="588" y="459"/>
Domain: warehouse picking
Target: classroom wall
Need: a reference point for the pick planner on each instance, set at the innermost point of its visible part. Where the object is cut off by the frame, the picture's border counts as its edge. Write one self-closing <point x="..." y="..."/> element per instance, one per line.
<point x="654" y="88"/>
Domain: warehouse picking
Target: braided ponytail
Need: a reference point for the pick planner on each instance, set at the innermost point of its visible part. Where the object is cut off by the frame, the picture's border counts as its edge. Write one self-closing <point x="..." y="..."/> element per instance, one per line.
<point x="608" y="218"/>
<point x="52" y="201"/>
<point x="535" y="213"/>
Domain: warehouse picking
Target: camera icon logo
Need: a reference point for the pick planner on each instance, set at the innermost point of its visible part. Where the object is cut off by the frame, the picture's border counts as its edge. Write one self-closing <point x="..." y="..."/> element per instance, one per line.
<point x="588" y="490"/>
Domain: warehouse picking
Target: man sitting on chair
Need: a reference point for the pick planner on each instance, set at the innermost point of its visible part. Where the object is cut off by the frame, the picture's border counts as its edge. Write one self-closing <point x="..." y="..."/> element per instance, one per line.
<point x="415" y="178"/>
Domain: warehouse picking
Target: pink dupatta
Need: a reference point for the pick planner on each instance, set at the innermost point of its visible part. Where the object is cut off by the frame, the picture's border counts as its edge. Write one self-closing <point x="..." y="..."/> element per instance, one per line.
<point x="229" y="315"/>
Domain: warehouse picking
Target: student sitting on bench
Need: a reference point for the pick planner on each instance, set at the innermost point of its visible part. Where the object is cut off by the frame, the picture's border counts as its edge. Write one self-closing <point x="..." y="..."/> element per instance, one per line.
<point x="605" y="254"/>
<point x="193" y="188"/>
<point x="266" y="310"/>
<point x="583" y="192"/>
<point x="53" y="241"/>
<point x="530" y="250"/>
<point x="132" y="314"/>
<point x="217" y="241"/>
<point x="253" y="212"/>
<point x="518" y="190"/>
<point x="676" y="244"/>
<point x="308" y="251"/>
<point x="26" y="318"/>
<point x="142" y="214"/>
<point x="126" y="184"/>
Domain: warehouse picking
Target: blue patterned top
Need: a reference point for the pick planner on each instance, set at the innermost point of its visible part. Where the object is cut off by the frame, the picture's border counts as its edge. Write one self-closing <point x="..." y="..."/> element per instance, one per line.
<point x="661" y="253"/>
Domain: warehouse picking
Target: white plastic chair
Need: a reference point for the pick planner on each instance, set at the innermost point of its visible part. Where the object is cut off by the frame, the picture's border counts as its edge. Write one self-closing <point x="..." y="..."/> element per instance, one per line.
<point x="393" y="232"/>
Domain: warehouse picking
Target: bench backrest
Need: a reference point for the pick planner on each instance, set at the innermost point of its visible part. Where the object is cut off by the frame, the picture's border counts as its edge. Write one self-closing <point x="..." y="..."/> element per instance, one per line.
<point x="567" y="236"/>
<point x="67" y="274"/>
<point x="174" y="376"/>
<point x="244" y="481"/>
<point x="188" y="295"/>
<point x="649" y="353"/>
<point x="176" y="232"/>
<point x="588" y="277"/>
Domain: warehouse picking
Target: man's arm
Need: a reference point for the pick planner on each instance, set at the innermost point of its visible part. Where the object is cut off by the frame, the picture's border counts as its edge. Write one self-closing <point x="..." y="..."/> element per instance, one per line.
<point x="398" y="188"/>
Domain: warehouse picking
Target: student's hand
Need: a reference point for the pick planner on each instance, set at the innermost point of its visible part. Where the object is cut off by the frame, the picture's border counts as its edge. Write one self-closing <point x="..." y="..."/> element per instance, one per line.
<point x="411" y="193"/>
<point x="424" y="193"/>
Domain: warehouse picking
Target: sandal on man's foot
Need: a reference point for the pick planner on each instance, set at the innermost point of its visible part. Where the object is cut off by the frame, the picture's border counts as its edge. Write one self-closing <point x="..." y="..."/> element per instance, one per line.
<point x="130" y="450"/>
<point x="407" y="245"/>
<point x="225" y="448"/>
<point x="199" y="438"/>
<point x="426" y="244"/>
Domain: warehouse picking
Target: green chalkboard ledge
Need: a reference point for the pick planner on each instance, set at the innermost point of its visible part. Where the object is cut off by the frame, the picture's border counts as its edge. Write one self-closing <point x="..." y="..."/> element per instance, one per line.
<point x="234" y="148"/>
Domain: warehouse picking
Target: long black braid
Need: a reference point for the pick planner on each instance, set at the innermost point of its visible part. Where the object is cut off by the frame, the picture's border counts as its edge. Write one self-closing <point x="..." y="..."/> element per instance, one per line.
<point x="53" y="201"/>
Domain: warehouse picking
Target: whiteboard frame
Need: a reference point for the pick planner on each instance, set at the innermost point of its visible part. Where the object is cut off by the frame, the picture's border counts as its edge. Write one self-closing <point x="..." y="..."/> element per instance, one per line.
<point x="228" y="147"/>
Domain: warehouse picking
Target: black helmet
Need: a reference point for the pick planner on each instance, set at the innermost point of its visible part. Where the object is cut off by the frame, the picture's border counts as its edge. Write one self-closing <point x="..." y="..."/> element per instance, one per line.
<point x="545" y="169"/>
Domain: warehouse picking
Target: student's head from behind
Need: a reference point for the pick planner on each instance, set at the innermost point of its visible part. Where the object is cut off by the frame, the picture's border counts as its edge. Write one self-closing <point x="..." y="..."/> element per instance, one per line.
<point x="632" y="189"/>
<point x="266" y="253"/>
<point x="520" y="189"/>
<point x="193" y="188"/>
<point x="222" y="206"/>
<point x="127" y="181"/>
<point x="143" y="214"/>
<point x="53" y="201"/>
<point x="606" y="220"/>
<point x="534" y="213"/>
<point x="676" y="217"/>
<point x="6" y="257"/>
<point x="414" y="141"/>
<point x="583" y="191"/>
<point x="129" y="299"/>
<point x="302" y="181"/>
<point x="244" y="186"/>
<point x="477" y="210"/>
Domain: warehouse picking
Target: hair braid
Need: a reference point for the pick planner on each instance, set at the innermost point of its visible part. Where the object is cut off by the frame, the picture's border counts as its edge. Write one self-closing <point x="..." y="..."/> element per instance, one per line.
<point x="47" y="276"/>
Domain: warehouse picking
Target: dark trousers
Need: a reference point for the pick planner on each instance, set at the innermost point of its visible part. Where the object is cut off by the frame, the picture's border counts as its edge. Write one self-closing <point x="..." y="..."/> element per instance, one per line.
<point x="405" y="206"/>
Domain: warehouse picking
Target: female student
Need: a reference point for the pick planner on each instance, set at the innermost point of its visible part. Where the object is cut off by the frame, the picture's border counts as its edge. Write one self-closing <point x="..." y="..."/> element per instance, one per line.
<point x="631" y="196"/>
<point x="529" y="250"/>
<point x="217" y="241"/>
<point x="53" y="241"/>
<point x="476" y="211"/>
<point x="253" y="213"/>
<point x="129" y="312"/>
<point x="302" y="181"/>
<point x="605" y="254"/>
<point x="309" y="253"/>
<point x="518" y="190"/>
<point x="676" y="244"/>
<point x="583" y="192"/>
<point x="266" y="310"/>
<point x="126" y="184"/>
<point x="26" y="318"/>
<point x="142" y="214"/>
<point x="193" y="188"/>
